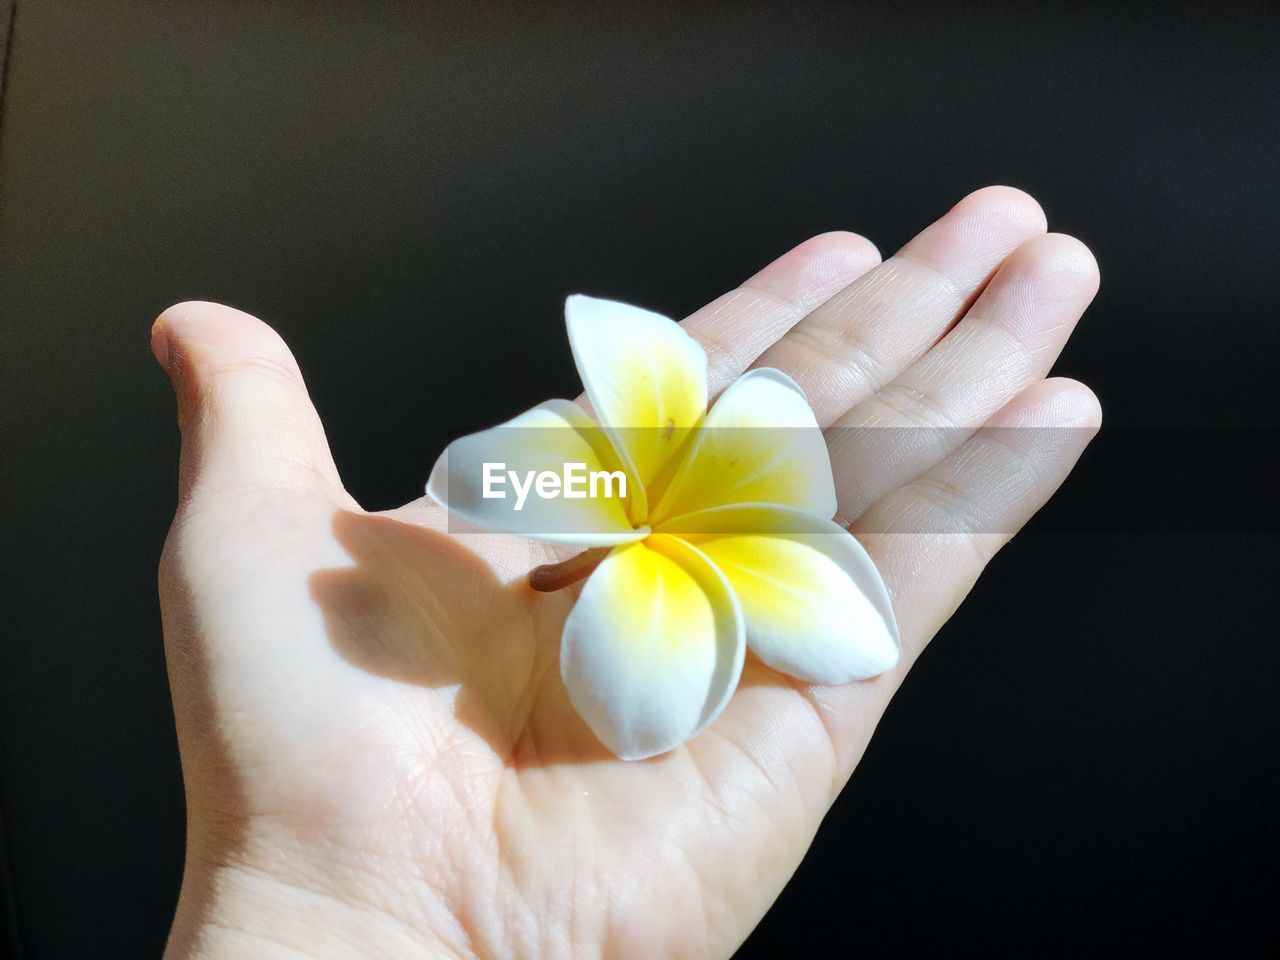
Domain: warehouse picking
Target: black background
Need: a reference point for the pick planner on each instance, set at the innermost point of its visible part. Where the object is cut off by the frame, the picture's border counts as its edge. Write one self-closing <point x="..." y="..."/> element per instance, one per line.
<point x="1084" y="758"/>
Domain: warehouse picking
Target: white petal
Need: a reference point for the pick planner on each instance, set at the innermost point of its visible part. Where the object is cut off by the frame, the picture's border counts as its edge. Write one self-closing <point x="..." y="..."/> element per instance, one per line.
<point x="646" y="378"/>
<point x="653" y="649"/>
<point x="759" y="444"/>
<point x="815" y="605"/>
<point x="545" y="438"/>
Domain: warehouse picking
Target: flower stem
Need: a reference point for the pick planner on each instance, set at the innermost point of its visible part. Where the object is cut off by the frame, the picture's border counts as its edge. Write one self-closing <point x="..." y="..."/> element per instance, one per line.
<point x="556" y="576"/>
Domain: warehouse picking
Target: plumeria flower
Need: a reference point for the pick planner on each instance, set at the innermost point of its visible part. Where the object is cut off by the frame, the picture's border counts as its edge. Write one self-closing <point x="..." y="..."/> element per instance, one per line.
<point x="719" y="540"/>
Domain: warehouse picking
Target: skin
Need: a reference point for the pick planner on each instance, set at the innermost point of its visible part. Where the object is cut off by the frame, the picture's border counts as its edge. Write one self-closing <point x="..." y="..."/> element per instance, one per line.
<point x="380" y="757"/>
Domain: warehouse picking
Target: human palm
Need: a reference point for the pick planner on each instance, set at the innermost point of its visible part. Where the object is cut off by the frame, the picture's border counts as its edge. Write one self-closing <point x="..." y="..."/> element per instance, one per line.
<point x="380" y="756"/>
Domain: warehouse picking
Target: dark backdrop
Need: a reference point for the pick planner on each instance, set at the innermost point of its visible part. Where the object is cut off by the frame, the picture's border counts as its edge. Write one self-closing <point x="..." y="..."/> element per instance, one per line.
<point x="1084" y="757"/>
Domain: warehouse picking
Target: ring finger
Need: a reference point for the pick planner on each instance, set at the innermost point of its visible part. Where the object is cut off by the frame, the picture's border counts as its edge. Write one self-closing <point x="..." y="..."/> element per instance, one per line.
<point x="1008" y="340"/>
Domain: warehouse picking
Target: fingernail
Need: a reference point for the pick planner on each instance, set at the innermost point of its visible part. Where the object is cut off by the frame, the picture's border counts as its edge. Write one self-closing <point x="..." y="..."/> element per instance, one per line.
<point x="160" y="344"/>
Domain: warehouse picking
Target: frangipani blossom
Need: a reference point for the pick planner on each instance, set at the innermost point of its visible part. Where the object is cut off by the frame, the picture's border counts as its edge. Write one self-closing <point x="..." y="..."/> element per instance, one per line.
<point x="723" y="539"/>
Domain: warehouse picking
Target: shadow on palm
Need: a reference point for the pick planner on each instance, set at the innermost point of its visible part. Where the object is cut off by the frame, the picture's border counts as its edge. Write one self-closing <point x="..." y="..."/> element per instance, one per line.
<point x="419" y="607"/>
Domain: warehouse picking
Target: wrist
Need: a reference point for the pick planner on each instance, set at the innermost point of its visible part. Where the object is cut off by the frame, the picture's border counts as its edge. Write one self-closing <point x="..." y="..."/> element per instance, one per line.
<point x="266" y="908"/>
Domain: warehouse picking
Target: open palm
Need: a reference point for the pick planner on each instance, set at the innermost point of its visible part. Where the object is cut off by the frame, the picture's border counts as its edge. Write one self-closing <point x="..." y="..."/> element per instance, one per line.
<point x="380" y="756"/>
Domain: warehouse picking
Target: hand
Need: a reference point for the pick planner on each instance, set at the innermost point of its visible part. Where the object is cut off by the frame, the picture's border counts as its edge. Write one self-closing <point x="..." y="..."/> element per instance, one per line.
<point x="380" y="757"/>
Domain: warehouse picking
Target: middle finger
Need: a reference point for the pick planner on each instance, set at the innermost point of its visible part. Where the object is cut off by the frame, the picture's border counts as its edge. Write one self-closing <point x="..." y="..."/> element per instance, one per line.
<point x="864" y="336"/>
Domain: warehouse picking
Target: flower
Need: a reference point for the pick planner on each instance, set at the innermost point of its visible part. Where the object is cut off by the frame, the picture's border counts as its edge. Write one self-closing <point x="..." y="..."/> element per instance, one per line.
<point x="723" y="539"/>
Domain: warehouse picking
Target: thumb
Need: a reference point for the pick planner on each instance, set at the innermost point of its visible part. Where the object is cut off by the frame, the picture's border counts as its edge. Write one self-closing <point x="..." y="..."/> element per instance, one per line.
<point x="244" y="412"/>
